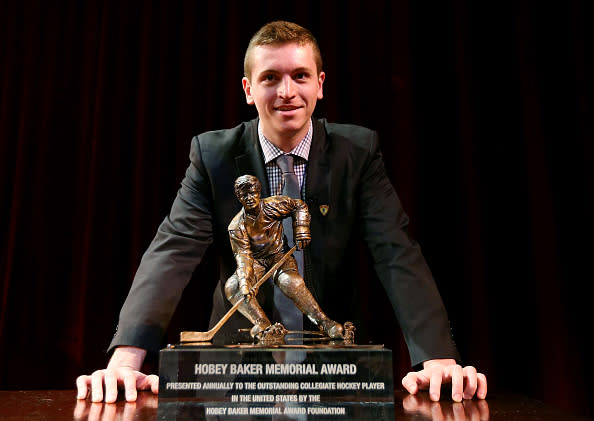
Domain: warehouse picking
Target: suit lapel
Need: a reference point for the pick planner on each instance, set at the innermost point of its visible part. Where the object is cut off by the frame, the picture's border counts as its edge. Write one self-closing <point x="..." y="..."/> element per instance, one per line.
<point x="250" y="160"/>
<point x="317" y="192"/>
<point x="319" y="174"/>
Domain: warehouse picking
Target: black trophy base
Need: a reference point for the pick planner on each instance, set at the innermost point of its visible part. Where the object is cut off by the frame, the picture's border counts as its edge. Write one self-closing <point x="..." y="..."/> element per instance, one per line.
<point x="287" y="382"/>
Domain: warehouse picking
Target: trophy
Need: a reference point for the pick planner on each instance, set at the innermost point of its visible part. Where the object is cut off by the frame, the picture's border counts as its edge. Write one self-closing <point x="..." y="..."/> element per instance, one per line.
<point x="322" y="373"/>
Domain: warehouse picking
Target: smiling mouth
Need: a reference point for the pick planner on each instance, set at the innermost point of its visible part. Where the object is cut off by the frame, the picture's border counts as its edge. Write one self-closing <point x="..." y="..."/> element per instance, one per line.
<point x="287" y="108"/>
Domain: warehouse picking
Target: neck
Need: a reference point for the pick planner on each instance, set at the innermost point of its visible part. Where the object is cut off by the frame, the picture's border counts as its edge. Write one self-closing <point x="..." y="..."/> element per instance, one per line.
<point x="286" y="146"/>
<point x="286" y="141"/>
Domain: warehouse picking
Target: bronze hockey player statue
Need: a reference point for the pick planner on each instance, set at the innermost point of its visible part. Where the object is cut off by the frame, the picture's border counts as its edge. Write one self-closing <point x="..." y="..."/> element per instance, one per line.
<point x="256" y="235"/>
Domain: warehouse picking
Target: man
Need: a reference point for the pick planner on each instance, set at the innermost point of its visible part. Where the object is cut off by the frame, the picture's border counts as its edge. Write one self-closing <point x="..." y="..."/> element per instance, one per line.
<point x="256" y="235"/>
<point x="341" y="173"/>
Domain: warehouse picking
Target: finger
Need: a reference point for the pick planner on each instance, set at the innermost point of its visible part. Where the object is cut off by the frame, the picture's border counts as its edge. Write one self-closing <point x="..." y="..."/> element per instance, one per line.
<point x="154" y="382"/>
<point x="410" y="383"/>
<point x="97" y="386"/>
<point x="457" y="383"/>
<point x="144" y="382"/>
<point x="435" y="385"/>
<point x="481" y="391"/>
<point x="470" y="381"/>
<point x="82" y="385"/>
<point x="111" y="387"/>
<point x="130" y="386"/>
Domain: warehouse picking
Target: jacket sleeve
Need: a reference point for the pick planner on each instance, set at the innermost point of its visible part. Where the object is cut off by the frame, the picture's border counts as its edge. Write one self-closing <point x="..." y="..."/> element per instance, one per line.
<point x="400" y="265"/>
<point x="167" y="266"/>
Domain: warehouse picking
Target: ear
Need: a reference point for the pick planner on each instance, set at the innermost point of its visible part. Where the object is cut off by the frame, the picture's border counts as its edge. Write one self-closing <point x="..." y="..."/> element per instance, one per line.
<point x="247" y="88"/>
<point x="321" y="78"/>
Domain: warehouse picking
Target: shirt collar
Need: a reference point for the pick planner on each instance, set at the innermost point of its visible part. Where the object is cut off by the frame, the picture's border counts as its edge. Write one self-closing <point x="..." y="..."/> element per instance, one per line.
<point x="271" y="152"/>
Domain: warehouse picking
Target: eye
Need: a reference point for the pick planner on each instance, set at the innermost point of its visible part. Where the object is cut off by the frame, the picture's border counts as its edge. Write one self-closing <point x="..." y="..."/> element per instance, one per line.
<point x="301" y="75"/>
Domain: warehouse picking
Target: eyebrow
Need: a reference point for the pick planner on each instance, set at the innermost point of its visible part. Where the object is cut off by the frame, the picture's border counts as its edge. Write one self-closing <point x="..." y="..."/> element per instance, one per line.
<point x="296" y="70"/>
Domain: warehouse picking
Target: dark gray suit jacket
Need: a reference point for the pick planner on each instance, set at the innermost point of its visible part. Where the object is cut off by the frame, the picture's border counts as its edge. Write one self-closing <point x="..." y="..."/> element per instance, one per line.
<point x="345" y="171"/>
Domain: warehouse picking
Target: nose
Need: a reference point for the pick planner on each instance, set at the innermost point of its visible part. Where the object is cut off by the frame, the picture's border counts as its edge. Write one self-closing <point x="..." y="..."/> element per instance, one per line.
<point x="286" y="88"/>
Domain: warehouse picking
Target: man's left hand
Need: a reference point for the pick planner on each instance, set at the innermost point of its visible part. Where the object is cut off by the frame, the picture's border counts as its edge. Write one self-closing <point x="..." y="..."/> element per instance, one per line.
<point x="465" y="381"/>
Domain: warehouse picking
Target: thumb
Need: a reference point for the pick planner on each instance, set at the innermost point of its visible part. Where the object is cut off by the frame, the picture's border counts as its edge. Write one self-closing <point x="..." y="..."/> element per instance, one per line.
<point x="410" y="383"/>
<point x="147" y="382"/>
<point x="154" y="383"/>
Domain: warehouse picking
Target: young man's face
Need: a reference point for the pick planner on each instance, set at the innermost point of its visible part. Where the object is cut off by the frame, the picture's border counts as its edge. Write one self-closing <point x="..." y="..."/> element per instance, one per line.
<point x="284" y="85"/>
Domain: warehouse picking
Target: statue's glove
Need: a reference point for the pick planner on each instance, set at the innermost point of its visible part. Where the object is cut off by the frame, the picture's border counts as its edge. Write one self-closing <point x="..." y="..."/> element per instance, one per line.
<point x="302" y="236"/>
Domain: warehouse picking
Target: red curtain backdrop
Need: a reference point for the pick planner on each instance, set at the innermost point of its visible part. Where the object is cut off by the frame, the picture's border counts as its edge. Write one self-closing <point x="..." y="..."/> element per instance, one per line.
<point x="484" y="111"/>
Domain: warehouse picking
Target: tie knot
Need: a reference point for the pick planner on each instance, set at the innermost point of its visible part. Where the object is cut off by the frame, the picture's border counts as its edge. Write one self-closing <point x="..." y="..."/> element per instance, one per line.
<point x="285" y="163"/>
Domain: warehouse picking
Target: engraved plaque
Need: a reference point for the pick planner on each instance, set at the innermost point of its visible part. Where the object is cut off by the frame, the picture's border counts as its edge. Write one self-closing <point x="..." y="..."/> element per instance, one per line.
<point x="242" y="382"/>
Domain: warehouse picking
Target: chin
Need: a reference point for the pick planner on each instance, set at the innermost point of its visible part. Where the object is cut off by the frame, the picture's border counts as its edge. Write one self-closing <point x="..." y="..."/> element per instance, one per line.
<point x="291" y="126"/>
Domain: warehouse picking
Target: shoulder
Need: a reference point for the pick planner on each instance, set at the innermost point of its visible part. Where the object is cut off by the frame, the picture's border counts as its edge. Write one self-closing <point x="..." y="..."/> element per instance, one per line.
<point x="351" y="131"/>
<point x="220" y="140"/>
<point x="349" y="139"/>
<point x="217" y="147"/>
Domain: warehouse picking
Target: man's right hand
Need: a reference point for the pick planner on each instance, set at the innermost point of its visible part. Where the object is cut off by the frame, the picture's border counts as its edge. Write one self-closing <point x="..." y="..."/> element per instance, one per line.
<point x="121" y="371"/>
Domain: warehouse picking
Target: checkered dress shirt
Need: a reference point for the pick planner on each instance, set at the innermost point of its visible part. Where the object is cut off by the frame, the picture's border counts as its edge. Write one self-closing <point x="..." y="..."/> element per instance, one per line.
<point x="300" y="155"/>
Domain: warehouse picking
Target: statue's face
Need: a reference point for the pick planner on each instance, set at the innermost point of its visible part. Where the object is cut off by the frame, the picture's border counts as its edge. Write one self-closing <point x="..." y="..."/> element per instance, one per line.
<point x="250" y="198"/>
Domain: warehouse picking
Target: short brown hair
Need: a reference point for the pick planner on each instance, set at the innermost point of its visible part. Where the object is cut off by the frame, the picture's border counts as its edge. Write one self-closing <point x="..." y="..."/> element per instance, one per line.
<point x="282" y="32"/>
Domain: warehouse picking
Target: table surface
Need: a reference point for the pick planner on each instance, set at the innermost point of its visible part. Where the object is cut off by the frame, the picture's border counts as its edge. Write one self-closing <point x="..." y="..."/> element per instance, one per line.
<point x="58" y="405"/>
